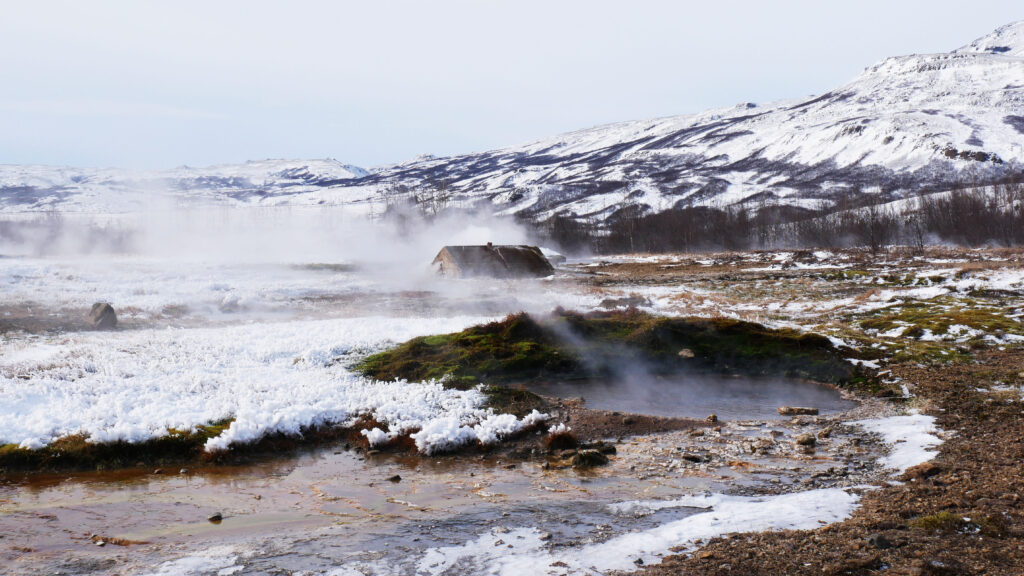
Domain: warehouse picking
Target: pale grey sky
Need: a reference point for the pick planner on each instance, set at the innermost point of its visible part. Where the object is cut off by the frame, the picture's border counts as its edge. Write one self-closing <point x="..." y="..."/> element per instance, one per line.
<point x="158" y="84"/>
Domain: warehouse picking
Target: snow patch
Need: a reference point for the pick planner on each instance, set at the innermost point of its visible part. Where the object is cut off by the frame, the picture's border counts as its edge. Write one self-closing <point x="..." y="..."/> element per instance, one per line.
<point x="912" y="438"/>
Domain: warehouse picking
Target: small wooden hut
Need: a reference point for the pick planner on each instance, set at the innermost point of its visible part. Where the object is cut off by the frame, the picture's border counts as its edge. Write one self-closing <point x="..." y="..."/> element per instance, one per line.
<point x="492" y="261"/>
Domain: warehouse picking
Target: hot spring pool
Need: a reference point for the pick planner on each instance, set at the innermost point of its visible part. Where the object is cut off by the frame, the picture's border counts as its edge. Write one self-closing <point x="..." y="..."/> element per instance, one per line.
<point x="696" y="396"/>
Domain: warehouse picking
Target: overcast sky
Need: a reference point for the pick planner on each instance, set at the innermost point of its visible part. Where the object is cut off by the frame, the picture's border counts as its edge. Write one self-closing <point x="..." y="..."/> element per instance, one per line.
<point x="159" y="84"/>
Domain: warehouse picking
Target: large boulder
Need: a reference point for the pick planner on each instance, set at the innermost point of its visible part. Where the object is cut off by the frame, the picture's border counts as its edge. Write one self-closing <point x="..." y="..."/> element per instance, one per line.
<point x="102" y="316"/>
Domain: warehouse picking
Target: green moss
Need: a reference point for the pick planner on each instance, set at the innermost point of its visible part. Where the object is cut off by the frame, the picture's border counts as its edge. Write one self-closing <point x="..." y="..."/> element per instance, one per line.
<point x="937" y="316"/>
<point x="572" y="345"/>
<point x="514" y="349"/>
<point x="845" y="275"/>
<point x="948" y="522"/>
<point x="944" y="521"/>
<point x="75" y="452"/>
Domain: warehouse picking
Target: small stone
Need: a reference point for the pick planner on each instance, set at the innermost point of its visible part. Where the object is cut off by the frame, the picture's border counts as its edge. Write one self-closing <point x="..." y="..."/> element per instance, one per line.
<point x="499" y="543"/>
<point x="216" y="518"/>
<point x="921" y="471"/>
<point x="879" y="541"/>
<point x="825" y="432"/>
<point x="395" y="478"/>
<point x="639" y="561"/>
<point x="797" y="411"/>
<point x="258" y="497"/>
<point x="712" y="418"/>
<point x="102" y="316"/>
<point x="183" y="471"/>
<point x="806" y="439"/>
<point x="628" y="420"/>
<point x="545" y="536"/>
<point x="158" y="471"/>
<point x="686" y="353"/>
<point x="101" y="543"/>
<point x="588" y="458"/>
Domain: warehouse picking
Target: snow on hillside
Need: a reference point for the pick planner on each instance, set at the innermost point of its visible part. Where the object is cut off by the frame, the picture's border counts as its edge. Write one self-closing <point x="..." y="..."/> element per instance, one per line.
<point x="905" y="124"/>
<point x="109" y="190"/>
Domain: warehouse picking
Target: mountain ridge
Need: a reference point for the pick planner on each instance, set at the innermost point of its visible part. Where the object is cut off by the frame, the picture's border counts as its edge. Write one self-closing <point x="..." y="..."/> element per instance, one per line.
<point x="906" y="124"/>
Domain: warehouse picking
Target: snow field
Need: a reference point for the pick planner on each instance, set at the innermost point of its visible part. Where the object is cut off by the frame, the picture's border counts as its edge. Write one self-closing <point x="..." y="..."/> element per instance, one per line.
<point x="270" y="377"/>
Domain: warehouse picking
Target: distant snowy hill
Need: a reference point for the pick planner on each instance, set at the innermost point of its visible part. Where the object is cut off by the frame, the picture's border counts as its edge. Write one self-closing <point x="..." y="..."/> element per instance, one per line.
<point x="108" y="190"/>
<point x="905" y="124"/>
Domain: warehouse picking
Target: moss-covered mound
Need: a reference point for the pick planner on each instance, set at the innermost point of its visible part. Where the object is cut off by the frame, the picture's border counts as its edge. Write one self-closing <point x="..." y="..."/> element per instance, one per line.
<point x="572" y="345"/>
<point x="77" y="453"/>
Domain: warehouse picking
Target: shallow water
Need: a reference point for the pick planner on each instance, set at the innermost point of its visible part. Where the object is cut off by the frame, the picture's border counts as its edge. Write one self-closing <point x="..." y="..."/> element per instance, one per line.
<point x="696" y="396"/>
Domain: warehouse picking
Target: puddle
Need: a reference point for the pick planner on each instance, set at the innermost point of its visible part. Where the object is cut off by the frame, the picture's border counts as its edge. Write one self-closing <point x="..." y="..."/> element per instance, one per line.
<point x="696" y="396"/>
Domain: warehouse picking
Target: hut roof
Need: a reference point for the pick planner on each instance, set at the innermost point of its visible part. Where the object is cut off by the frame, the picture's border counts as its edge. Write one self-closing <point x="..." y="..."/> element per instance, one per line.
<point x="492" y="261"/>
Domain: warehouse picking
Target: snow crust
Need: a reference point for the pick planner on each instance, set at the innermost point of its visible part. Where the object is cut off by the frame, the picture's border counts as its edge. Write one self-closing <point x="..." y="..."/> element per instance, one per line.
<point x="912" y="438"/>
<point x="725" y="514"/>
<point x="271" y="377"/>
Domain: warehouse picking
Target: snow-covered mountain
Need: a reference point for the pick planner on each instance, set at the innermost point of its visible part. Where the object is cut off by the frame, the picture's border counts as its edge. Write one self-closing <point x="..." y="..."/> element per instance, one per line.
<point x="110" y="190"/>
<point x="905" y="124"/>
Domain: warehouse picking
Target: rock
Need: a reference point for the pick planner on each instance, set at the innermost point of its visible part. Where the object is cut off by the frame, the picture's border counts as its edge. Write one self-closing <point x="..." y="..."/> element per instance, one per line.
<point x="588" y="459"/>
<point x="693" y="457"/>
<point x="805" y="439"/>
<point x="631" y="301"/>
<point x="545" y="536"/>
<point x="602" y="447"/>
<point x="101" y="543"/>
<point x="230" y="303"/>
<point x="825" y="432"/>
<point x="712" y="418"/>
<point x="102" y="316"/>
<point x="183" y="471"/>
<point x="395" y="478"/>
<point x="686" y="353"/>
<point x="628" y="420"/>
<point x="216" y="518"/>
<point x="639" y="561"/>
<point x="933" y="568"/>
<point x="879" y="541"/>
<point x="921" y="471"/>
<point x="797" y="411"/>
<point x="158" y="471"/>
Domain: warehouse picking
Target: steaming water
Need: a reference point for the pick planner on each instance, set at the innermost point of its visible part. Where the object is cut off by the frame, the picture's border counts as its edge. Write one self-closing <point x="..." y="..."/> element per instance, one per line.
<point x="696" y="396"/>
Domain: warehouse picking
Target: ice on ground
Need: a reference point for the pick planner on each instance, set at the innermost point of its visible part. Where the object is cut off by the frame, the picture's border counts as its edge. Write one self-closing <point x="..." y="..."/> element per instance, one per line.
<point x="269" y="377"/>
<point x="865" y="363"/>
<point x="912" y="438"/>
<point x="451" y="432"/>
<point x="726" y="514"/>
<point x="221" y="560"/>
